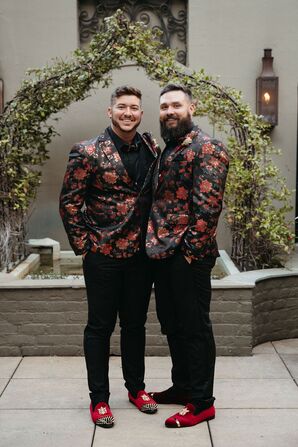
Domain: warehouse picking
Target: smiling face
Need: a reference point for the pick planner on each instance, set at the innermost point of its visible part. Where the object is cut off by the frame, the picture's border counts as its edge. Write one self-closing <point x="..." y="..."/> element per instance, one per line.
<point x="125" y="114"/>
<point x="176" y="110"/>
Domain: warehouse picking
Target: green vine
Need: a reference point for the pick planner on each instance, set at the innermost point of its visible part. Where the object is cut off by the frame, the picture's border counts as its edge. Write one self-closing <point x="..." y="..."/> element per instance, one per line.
<point x="257" y="199"/>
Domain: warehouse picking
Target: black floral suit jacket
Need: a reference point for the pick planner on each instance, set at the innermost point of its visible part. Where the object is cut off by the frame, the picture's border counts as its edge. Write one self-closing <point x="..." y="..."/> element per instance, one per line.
<point x="187" y="198"/>
<point x="96" y="178"/>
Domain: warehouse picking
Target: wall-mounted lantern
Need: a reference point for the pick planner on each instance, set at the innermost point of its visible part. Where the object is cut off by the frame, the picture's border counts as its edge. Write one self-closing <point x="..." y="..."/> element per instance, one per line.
<point x="1" y="96"/>
<point x="267" y="91"/>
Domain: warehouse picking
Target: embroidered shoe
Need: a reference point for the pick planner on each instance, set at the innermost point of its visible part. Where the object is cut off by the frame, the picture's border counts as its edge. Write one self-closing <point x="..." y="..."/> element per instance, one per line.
<point x="102" y="415"/>
<point x="189" y="417"/>
<point x="170" y="396"/>
<point x="144" y="402"/>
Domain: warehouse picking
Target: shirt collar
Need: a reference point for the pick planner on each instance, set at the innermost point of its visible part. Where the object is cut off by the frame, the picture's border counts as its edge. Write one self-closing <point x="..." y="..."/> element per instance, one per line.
<point x="122" y="145"/>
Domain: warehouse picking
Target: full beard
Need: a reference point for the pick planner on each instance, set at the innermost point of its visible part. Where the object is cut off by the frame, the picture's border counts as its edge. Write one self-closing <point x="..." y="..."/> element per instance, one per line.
<point x="184" y="126"/>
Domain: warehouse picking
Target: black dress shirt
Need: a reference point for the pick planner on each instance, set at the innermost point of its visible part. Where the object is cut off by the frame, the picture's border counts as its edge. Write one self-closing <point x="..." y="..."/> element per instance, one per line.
<point x="137" y="159"/>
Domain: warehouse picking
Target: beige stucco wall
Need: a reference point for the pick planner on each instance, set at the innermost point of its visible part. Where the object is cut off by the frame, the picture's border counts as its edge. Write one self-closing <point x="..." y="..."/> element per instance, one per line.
<point x="226" y="38"/>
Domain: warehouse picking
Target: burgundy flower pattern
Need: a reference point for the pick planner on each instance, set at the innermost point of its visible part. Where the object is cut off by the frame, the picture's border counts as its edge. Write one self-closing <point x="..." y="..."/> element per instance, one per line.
<point x="96" y="177"/>
<point x="188" y="194"/>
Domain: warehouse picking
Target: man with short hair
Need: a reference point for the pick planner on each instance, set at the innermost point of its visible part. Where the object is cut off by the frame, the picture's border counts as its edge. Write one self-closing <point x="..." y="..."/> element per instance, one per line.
<point x="188" y="188"/>
<point x="111" y="176"/>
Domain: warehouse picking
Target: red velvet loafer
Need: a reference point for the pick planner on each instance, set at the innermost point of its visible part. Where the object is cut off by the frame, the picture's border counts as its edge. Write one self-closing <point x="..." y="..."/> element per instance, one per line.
<point x="170" y="396"/>
<point x="102" y="415"/>
<point x="144" y="402"/>
<point x="189" y="417"/>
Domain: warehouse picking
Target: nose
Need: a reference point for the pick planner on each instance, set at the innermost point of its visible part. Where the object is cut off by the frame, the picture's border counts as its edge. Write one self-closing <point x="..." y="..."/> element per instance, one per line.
<point x="127" y="111"/>
<point x="170" y="111"/>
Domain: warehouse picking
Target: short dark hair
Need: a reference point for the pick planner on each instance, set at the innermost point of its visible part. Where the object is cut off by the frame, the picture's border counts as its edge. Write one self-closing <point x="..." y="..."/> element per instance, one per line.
<point x="125" y="90"/>
<point x="177" y="87"/>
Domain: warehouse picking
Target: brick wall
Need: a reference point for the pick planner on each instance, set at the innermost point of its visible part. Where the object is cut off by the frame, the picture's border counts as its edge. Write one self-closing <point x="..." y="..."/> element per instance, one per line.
<point x="50" y="321"/>
<point x="275" y="309"/>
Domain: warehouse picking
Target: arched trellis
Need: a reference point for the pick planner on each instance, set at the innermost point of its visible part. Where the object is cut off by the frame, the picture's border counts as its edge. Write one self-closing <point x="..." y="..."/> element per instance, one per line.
<point x="260" y="233"/>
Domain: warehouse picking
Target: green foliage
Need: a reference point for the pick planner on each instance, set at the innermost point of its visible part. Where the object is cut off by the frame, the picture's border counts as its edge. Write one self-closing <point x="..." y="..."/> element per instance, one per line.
<point x="257" y="199"/>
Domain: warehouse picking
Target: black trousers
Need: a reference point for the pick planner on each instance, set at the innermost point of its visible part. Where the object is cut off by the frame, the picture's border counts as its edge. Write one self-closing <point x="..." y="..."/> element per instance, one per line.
<point x="116" y="287"/>
<point x="183" y="294"/>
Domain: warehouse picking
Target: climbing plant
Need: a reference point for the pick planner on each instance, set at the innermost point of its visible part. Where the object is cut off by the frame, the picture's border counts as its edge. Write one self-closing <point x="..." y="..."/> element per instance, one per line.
<point x="257" y="199"/>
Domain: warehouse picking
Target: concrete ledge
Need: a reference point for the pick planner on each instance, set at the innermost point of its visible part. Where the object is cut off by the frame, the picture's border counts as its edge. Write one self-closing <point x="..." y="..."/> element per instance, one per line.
<point x="21" y="270"/>
<point x="46" y="243"/>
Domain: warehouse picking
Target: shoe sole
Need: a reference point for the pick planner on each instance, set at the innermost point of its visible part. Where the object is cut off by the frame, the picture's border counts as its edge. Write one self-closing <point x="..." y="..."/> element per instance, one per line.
<point x="185" y="426"/>
<point x="149" y="411"/>
<point x="153" y="411"/>
<point x="110" y="425"/>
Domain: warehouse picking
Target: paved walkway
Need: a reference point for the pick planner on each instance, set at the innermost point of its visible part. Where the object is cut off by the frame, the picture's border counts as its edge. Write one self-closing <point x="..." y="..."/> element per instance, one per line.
<point x="44" y="402"/>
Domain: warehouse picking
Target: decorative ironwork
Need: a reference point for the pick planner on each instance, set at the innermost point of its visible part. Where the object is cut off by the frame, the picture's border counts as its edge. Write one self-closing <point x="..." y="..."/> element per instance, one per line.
<point x="169" y="16"/>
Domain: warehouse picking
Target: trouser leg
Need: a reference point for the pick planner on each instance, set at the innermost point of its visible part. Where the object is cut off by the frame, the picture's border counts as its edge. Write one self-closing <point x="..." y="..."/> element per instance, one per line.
<point x="169" y="319"/>
<point x="103" y="284"/>
<point x="201" y="344"/>
<point x="133" y="309"/>
<point x="192" y="300"/>
<point x="183" y="297"/>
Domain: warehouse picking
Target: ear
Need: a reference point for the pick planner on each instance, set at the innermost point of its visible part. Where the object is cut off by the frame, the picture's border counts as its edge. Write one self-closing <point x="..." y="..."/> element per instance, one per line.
<point x="109" y="112"/>
<point x="192" y="108"/>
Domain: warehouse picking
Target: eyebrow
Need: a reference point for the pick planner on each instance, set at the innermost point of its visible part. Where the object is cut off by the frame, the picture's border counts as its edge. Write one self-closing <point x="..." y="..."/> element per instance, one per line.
<point x="124" y="104"/>
<point x="173" y="102"/>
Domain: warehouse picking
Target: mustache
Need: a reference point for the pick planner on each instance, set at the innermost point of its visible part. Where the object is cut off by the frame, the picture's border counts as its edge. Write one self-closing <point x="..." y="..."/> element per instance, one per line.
<point x="183" y="126"/>
<point x="171" y="117"/>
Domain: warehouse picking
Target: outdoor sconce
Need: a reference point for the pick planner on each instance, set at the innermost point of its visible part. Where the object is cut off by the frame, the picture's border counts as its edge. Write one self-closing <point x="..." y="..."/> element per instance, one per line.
<point x="1" y="96"/>
<point x="267" y="91"/>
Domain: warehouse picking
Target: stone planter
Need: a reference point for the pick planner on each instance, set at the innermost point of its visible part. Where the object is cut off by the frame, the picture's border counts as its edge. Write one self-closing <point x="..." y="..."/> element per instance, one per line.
<point x="47" y="317"/>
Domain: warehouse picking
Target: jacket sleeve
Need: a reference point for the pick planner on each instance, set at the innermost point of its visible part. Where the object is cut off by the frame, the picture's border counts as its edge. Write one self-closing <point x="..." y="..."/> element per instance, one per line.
<point x="209" y="176"/>
<point x="72" y="198"/>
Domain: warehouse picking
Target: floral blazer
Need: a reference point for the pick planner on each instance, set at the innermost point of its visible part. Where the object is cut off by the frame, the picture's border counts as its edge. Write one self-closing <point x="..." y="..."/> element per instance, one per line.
<point x="96" y="179"/>
<point x="187" y="198"/>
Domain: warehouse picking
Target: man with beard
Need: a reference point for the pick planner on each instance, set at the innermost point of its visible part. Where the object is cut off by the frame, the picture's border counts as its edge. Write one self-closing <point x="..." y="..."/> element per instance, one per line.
<point x="110" y="176"/>
<point x="188" y="188"/>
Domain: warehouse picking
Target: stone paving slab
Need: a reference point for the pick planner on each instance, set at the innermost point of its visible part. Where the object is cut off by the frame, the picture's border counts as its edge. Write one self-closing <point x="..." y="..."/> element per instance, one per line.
<point x="134" y="429"/>
<point x="286" y="346"/>
<point x="45" y="393"/>
<point x="261" y="366"/>
<point x="256" y="393"/>
<point x="264" y="348"/>
<point x="51" y="368"/>
<point x="8" y="366"/>
<point x="3" y="383"/>
<point x="158" y="367"/>
<point x="257" y="428"/>
<point x="46" y="428"/>
<point x="291" y="361"/>
<point x="74" y="367"/>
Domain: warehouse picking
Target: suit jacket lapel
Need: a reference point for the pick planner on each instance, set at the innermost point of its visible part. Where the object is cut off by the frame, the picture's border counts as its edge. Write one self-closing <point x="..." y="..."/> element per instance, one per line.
<point x="151" y="144"/>
<point x="110" y="151"/>
<point x="155" y="181"/>
<point x="158" y="175"/>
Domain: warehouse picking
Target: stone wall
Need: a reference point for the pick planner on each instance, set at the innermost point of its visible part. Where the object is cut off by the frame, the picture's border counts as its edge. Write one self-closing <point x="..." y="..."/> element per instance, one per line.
<point x="50" y="321"/>
<point x="275" y="309"/>
<point x="40" y="321"/>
